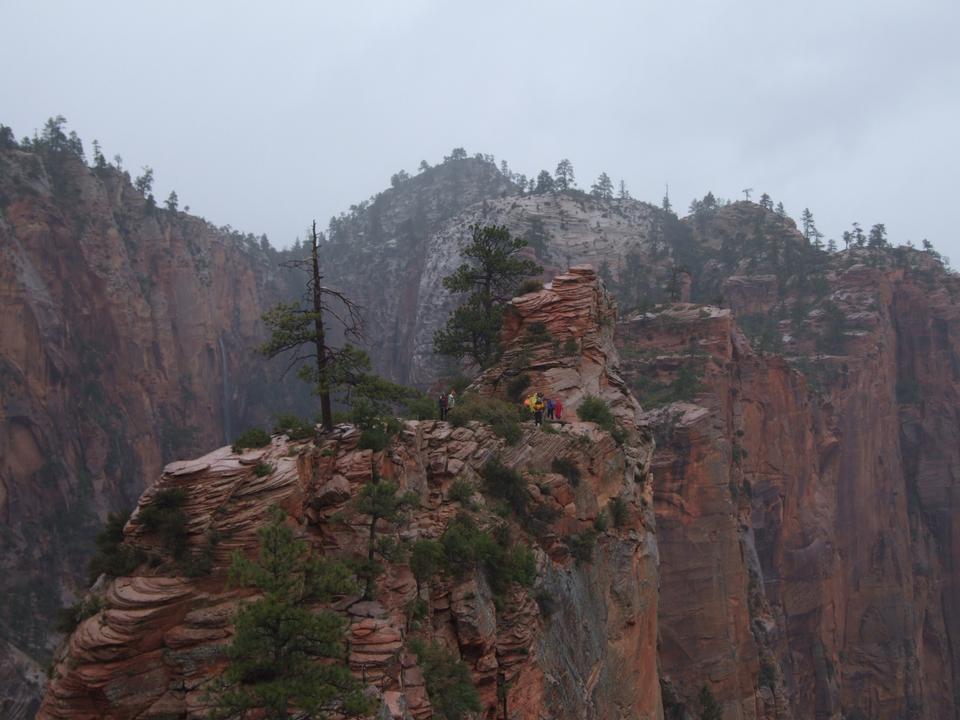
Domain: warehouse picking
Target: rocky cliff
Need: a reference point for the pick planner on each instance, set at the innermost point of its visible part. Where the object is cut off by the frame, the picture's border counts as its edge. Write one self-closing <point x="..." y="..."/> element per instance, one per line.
<point x="803" y="406"/>
<point x="807" y="558"/>
<point x="126" y="337"/>
<point x="579" y="643"/>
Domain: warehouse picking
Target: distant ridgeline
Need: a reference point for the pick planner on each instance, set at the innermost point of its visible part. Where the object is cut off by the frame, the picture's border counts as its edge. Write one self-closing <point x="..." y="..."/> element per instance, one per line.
<point x="800" y="393"/>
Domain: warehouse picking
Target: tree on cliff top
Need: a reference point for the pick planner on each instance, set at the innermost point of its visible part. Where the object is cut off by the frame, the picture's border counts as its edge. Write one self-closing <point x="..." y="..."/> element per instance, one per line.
<point x="300" y="333"/>
<point x="286" y="658"/>
<point x="491" y="278"/>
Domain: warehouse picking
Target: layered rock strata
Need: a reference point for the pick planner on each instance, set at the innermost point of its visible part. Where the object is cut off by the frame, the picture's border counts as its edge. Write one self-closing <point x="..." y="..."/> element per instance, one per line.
<point x="807" y="565"/>
<point x="159" y="640"/>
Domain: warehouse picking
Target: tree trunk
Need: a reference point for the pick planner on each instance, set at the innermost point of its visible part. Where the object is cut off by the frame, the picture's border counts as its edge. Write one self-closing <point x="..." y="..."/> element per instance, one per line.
<point x="326" y="413"/>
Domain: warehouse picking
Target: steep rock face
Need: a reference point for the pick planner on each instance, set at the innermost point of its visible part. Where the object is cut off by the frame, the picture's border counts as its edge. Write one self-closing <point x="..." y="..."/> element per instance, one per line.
<point x="561" y="230"/>
<point x="561" y="340"/>
<point x="126" y="337"/>
<point x="808" y="508"/>
<point x="159" y="640"/>
<point x="378" y="251"/>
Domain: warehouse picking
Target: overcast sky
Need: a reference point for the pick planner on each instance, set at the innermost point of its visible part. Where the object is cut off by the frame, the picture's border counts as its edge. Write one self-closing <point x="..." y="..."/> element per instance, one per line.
<point x="266" y="115"/>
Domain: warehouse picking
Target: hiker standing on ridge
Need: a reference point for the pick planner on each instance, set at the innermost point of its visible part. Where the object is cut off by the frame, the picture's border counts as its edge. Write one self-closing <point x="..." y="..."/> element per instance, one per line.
<point x="538" y="408"/>
<point x="442" y="405"/>
<point x="550" y="408"/>
<point x="451" y="400"/>
<point x="557" y="408"/>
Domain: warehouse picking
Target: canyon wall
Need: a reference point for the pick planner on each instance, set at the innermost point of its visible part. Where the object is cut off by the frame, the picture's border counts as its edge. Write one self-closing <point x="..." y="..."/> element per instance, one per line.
<point x="127" y="338"/>
<point x="803" y="517"/>
<point x="803" y="406"/>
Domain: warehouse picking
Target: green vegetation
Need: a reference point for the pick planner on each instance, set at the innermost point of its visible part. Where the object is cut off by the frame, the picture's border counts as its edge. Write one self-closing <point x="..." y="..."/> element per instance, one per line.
<point x="601" y="522"/>
<point x="164" y="517"/>
<point x="420" y="407"/>
<point x="295" y="428"/>
<point x="69" y="617"/>
<point x="501" y="416"/>
<point x="427" y="559"/>
<point x="262" y="469"/>
<point x="279" y="639"/>
<point x="763" y="329"/>
<point x="594" y="409"/>
<point x="462" y="491"/>
<point x="112" y="556"/>
<point x="466" y="546"/>
<point x="506" y="484"/>
<point x="448" y="681"/>
<point x="252" y="438"/>
<point x="380" y="500"/>
<point x="581" y="545"/>
<point x="375" y="439"/>
<point x="568" y="468"/>
<point x="618" y="511"/>
<point x="529" y="286"/>
<point x="538" y="333"/>
<point x="490" y="278"/>
<point x="299" y="331"/>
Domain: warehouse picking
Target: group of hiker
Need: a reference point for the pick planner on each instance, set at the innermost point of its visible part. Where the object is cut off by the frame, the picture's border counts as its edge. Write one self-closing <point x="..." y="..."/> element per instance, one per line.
<point x="538" y="404"/>
<point x="446" y="403"/>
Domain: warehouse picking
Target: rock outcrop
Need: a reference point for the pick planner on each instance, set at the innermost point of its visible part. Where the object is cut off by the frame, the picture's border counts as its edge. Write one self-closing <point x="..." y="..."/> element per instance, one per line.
<point x="581" y="643"/>
<point x="806" y="554"/>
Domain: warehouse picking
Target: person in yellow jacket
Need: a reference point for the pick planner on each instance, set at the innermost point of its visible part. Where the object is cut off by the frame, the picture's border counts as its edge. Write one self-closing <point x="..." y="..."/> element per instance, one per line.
<point x="538" y="408"/>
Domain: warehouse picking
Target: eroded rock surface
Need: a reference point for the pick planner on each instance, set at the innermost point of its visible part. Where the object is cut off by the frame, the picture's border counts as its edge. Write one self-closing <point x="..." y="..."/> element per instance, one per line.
<point x="589" y="653"/>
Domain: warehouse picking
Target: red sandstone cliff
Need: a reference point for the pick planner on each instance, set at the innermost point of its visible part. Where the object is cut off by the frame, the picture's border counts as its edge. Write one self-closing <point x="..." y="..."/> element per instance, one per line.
<point x="803" y="488"/>
<point x="803" y="518"/>
<point x="126" y="336"/>
<point x="157" y="643"/>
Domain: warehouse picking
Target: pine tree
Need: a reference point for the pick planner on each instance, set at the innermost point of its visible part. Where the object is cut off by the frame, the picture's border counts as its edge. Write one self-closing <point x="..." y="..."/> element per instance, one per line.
<point x="858" y="236"/>
<point x="808" y="225"/>
<point x="99" y="161"/>
<point x="144" y="182"/>
<point x="493" y="273"/>
<point x="624" y="194"/>
<point x="564" y="179"/>
<point x="7" y="140"/>
<point x="300" y="333"/>
<point x="286" y="659"/>
<point x="765" y="202"/>
<point x="545" y="183"/>
<point x="878" y="236"/>
<point x="665" y="204"/>
<point x="172" y="201"/>
<point x="379" y="500"/>
<point x="603" y="187"/>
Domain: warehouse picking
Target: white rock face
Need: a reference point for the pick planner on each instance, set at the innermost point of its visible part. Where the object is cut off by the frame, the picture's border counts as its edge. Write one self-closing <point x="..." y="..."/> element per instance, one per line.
<point x="578" y="231"/>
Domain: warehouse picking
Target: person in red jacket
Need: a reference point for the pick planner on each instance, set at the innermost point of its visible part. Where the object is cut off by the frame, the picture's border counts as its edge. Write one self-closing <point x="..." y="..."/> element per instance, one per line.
<point x="557" y="408"/>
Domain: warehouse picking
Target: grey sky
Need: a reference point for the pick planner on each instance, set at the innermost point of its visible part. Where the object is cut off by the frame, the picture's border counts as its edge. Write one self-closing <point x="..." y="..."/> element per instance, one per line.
<point x="265" y="115"/>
